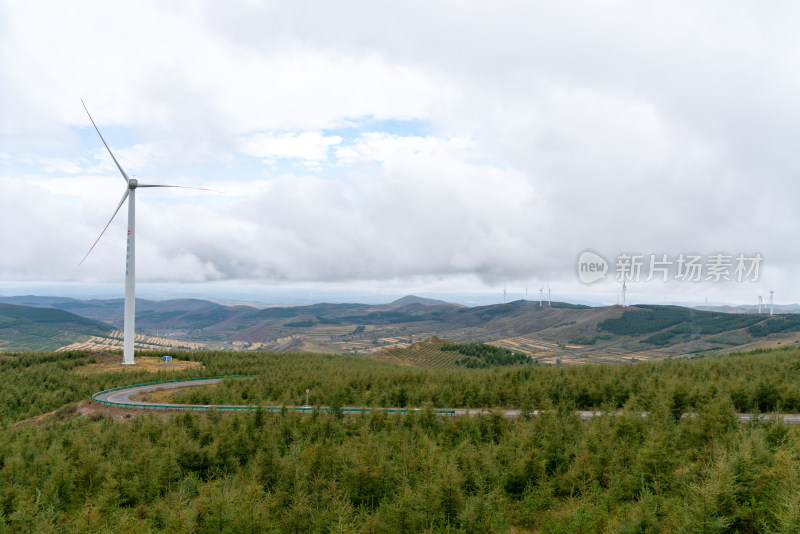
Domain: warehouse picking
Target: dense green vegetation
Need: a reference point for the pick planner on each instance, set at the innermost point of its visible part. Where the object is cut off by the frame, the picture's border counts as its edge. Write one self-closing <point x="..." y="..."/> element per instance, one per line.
<point x="644" y="321"/>
<point x="301" y="324"/>
<point x="760" y="381"/>
<point x="690" y="324"/>
<point x="257" y="472"/>
<point x="309" y="322"/>
<point x="777" y="323"/>
<point x="37" y="383"/>
<point x="662" y="338"/>
<point x="324" y="472"/>
<point x="482" y="356"/>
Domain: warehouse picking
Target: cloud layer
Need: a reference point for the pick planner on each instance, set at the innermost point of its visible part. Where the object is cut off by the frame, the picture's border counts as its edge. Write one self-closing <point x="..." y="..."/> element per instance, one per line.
<point x="365" y="142"/>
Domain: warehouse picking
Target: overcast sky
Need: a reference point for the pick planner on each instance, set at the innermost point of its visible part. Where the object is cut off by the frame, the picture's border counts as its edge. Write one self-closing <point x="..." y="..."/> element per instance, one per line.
<point x="400" y="146"/>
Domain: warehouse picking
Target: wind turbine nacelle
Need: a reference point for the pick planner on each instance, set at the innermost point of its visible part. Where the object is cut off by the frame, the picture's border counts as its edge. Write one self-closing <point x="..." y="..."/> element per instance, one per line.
<point x="132" y="183"/>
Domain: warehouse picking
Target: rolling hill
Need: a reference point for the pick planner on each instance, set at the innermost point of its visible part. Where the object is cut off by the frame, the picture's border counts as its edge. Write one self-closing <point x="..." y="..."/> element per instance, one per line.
<point x="30" y="328"/>
<point x="561" y="333"/>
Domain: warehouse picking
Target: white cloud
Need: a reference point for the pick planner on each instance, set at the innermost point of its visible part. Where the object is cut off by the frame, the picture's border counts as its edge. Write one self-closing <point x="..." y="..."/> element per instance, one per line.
<point x="40" y="236"/>
<point x="158" y="68"/>
<point x="312" y="146"/>
<point x="382" y="147"/>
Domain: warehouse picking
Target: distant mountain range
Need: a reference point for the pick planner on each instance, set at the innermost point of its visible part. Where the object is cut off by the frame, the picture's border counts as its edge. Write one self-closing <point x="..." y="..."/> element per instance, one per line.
<point x="565" y="333"/>
<point x="28" y="328"/>
<point x="198" y="314"/>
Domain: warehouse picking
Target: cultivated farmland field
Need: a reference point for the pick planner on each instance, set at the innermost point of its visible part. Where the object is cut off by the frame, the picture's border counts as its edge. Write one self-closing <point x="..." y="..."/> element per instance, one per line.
<point x="114" y="339"/>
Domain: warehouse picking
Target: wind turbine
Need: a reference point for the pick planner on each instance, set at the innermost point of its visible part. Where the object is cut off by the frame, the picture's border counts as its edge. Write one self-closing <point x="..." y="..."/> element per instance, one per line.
<point x="541" y="293"/>
<point x="130" y="260"/>
<point x="504" y="294"/>
<point x="771" y="303"/>
<point x="624" y="290"/>
<point x="548" y="295"/>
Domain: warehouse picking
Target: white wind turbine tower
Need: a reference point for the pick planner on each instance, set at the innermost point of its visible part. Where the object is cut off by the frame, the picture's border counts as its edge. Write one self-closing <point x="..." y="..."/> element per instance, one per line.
<point x="504" y="294"/>
<point x="771" y="303"/>
<point x="541" y="295"/>
<point x="130" y="261"/>
<point x="548" y="295"/>
<point x="624" y="290"/>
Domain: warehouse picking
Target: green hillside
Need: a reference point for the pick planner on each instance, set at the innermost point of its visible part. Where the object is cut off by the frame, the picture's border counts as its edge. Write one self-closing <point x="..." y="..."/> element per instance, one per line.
<point x="684" y="321"/>
<point x="670" y="325"/>
<point x="24" y="328"/>
<point x="438" y="353"/>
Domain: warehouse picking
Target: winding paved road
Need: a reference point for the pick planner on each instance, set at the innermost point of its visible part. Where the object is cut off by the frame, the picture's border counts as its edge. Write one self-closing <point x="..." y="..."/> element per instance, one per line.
<point x="122" y="397"/>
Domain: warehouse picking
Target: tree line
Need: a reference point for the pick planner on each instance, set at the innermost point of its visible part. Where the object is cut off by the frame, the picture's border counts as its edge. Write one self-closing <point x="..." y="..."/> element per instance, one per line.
<point x="761" y="381"/>
<point x="483" y="356"/>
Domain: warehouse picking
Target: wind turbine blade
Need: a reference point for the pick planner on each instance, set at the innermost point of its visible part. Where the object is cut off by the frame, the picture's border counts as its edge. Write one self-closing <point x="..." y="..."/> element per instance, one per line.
<point x="180" y="187"/>
<point x="125" y="176"/>
<point x="107" y="225"/>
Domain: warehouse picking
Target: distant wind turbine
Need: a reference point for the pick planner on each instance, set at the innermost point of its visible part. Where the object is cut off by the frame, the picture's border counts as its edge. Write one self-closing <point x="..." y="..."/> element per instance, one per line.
<point x="130" y="261"/>
<point x="549" y="302"/>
